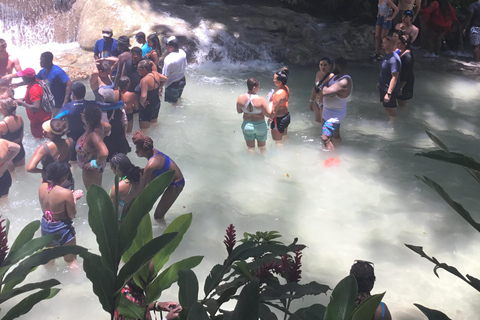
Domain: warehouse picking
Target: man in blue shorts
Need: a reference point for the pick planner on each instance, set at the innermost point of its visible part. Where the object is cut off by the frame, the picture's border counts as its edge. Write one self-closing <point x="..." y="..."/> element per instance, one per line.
<point x="389" y="80"/>
<point x="335" y="94"/>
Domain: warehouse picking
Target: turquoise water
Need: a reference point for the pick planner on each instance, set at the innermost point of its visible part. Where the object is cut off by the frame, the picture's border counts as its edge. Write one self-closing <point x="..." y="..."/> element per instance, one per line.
<point x="366" y="207"/>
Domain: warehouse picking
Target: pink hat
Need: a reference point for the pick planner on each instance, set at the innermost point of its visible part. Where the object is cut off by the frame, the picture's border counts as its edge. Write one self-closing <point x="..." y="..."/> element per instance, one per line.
<point x="28" y="72"/>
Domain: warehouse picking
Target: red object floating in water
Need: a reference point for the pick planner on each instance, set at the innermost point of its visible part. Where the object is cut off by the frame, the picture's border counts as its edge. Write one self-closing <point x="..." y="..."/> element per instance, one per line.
<point x="330" y="162"/>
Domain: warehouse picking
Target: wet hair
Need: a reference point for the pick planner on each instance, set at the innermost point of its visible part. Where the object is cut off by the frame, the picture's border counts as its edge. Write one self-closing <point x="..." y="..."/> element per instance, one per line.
<point x="48" y="56"/>
<point x="103" y="66"/>
<point x="341" y="62"/>
<point x="146" y="64"/>
<point x="123" y="82"/>
<point x="58" y="125"/>
<point x="156" y="43"/>
<point x="282" y="75"/>
<point x="406" y="40"/>
<point x="252" y="83"/>
<point x="136" y="50"/>
<point x="9" y="105"/>
<point x="365" y="276"/>
<point x="142" y="141"/>
<point x="92" y="115"/>
<point x="329" y="61"/>
<point x="123" y="163"/>
<point x="140" y="35"/>
<point x="56" y="172"/>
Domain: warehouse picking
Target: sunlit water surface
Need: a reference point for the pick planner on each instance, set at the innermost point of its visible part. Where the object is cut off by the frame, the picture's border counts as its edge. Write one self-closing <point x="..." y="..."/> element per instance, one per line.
<point x="365" y="207"/>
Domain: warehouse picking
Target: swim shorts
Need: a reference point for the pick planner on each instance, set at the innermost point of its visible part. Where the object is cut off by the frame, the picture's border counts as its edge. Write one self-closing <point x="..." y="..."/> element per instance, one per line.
<point x="330" y="127"/>
<point x="175" y="90"/>
<point x="5" y="183"/>
<point x="475" y="36"/>
<point x="63" y="228"/>
<point x="393" y="99"/>
<point x="21" y="155"/>
<point x="280" y="123"/>
<point x="385" y="24"/>
<point x="407" y="91"/>
<point x="255" y="130"/>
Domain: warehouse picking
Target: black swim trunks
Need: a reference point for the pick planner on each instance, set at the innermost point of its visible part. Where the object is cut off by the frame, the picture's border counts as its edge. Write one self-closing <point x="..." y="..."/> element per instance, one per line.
<point x="280" y="123"/>
<point x="21" y="155"/>
<point x="5" y="183"/>
<point x="393" y="99"/>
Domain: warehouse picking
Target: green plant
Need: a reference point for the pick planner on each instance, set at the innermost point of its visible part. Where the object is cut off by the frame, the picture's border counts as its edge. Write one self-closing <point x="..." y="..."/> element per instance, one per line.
<point x="265" y="271"/>
<point x="472" y="167"/>
<point x="26" y="254"/>
<point x="133" y="243"/>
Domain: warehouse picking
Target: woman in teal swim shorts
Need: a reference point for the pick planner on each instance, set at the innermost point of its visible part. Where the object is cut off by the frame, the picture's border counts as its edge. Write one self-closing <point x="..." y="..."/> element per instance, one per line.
<point x="254" y="109"/>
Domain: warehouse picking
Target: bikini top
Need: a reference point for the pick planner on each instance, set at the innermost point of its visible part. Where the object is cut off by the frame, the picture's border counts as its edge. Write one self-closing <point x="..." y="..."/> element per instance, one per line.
<point x="166" y="164"/>
<point x="250" y="105"/>
<point x="12" y="135"/>
<point x="48" y="158"/>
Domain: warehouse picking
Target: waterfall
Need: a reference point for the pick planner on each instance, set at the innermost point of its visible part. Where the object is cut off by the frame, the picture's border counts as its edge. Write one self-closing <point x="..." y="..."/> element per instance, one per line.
<point x="26" y="23"/>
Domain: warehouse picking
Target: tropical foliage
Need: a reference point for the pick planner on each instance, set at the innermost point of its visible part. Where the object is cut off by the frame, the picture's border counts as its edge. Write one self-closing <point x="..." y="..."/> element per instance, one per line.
<point x="134" y="244"/>
<point x="472" y="167"/>
<point x="24" y="256"/>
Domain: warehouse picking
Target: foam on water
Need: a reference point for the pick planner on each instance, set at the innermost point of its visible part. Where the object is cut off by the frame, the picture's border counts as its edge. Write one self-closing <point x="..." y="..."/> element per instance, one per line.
<point x="364" y="207"/>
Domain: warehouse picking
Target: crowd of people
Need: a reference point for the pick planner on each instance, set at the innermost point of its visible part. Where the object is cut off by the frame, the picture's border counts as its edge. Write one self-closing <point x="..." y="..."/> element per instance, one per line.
<point x="433" y="19"/>
<point x="127" y="80"/>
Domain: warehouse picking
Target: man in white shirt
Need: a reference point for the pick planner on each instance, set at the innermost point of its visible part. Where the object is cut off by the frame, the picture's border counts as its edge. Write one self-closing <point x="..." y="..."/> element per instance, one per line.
<point x="174" y="66"/>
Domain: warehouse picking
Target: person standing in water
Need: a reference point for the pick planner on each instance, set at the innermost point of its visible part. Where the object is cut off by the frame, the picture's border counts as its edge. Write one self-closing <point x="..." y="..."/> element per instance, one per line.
<point x="389" y="79"/>
<point x="151" y="85"/>
<point x="174" y="66"/>
<point x="278" y="106"/>
<point x="11" y="128"/>
<point x="316" y="105"/>
<point x="158" y="163"/>
<point x="8" y="151"/>
<point x="335" y="93"/>
<point x="7" y="64"/>
<point x="365" y="277"/>
<point x="254" y="109"/>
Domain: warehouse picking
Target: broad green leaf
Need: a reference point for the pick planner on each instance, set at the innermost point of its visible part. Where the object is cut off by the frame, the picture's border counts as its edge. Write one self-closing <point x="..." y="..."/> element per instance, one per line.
<point x="29" y="248"/>
<point x="455" y="205"/>
<point x="342" y="300"/>
<point x="25" y="235"/>
<point x="197" y="312"/>
<point x="129" y="309"/>
<point x="431" y="313"/>
<point x="313" y="312"/>
<point x="169" y="276"/>
<point x="144" y="236"/>
<point x="247" y="307"/>
<point x="265" y="313"/>
<point x="102" y="278"/>
<point x="214" y="278"/>
<point x="27" y="304"/>
<point x="104" y="224"/>
<point x="452" y="157"/>
<point x="179" y="225"/>
<point x="437" y="141"/>
<point x="141" y="258"/>
<point x="23" y="269"/>
<point x="141" y="207"/>
<point x="28" y="287"/>
<point x="366" y="309"/>
<point x="187" y="288"/>
<point x="293" y="290"/>
<point x="242" y="268"/>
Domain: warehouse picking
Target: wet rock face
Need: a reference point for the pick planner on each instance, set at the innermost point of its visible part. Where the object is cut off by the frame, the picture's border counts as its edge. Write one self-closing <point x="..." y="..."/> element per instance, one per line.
<point x="212" y="30"/>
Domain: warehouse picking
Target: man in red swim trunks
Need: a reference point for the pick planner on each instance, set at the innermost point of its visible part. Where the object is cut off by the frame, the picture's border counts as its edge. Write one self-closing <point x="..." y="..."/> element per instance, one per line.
<point x="32" y="100"/>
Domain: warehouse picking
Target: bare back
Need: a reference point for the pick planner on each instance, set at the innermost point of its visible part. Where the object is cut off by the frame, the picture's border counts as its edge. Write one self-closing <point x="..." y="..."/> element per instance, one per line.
<point x="254" y="101"/>
<point x="58" y="200"/>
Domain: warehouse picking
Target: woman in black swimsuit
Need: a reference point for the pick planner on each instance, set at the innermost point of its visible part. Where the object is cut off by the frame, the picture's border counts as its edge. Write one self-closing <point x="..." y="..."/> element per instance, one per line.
<point x="11" y="128"/>
<point x="57" y="149"/>
<point x="151" y="87"/>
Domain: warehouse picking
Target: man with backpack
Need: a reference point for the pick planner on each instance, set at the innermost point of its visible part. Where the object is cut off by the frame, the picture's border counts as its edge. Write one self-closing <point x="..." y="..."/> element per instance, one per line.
<point x="60" y="84"/>
<point x="32" y="102"/>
